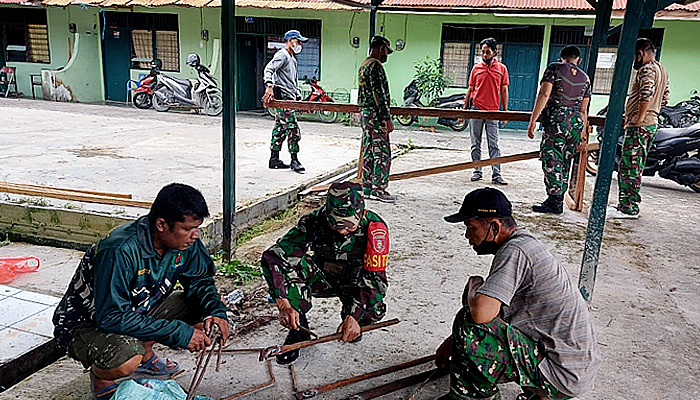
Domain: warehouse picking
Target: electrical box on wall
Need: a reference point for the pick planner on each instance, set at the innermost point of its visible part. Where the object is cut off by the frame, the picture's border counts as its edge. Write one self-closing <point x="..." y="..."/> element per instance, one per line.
<point x="72" y="28"/>
<point x="355" y="42"/>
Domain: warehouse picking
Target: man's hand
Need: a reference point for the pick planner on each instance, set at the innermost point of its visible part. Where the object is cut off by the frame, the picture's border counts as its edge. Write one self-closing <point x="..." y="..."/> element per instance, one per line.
<point x="473" y="284"/>
<point x="388" y="126"/>
<point x="531" y="129"/>
<point x="221" y="323"/>
<point x="350" y="329"/>
<point x="269" y="95"/>
<point x="199" y="341"/>
<point x="443" y="354"/>
<point x="289" y="317"/>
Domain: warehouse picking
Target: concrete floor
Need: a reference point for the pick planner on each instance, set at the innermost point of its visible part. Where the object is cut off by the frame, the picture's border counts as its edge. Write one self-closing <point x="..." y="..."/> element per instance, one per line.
<point x="645" y="308"/>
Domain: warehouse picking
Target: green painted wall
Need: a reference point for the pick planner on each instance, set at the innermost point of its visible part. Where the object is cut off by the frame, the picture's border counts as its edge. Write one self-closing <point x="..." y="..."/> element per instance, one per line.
<point x="339" y="60"/>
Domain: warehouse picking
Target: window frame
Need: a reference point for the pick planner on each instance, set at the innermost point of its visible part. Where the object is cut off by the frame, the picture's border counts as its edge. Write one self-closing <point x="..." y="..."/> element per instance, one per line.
<point x="21" y="19"/>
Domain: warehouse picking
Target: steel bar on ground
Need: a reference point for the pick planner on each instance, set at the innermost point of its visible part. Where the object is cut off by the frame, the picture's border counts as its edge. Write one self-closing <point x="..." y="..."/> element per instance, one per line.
<point x="83" y="191"/>
<point x="422" y="385"/>
<point x="307" y="394"/>
<point x="295" y="386"/>
<point x="201" y="369"/>
<point x="606" y="156"/>
<point x="8" y="187"/>
<point x="251" y="350"/>
<point x="255" y="388"/>
<point x="275" y="350"/>
<point x="422" y="111"/>
<point x="398" y="384"/>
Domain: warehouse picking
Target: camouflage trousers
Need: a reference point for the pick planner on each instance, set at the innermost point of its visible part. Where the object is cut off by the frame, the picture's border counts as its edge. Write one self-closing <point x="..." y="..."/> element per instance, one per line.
<point x="563" y="127"/>
<point x="305" y="280"/>
<point x="286" y="127"/>
<point x="635" y="148"/>
<point x="376" y="155"/>
<point x="484" y="355"/>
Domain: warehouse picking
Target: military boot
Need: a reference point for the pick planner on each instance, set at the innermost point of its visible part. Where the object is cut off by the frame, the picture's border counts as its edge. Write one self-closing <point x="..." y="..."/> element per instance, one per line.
<point x="296" y="165"/>
<point x="294" y="336"/>
<point x="275" y="162"/>
<point x="553" y="205"/>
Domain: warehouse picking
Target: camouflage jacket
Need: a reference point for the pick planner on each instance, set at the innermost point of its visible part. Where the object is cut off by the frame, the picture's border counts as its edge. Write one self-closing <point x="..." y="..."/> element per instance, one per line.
<point x="374" y="89"/>
<point x="352" y="265"/>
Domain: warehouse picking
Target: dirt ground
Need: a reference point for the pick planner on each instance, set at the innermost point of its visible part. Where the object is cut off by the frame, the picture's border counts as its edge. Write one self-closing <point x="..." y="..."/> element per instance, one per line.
<point x="644" y="308"/>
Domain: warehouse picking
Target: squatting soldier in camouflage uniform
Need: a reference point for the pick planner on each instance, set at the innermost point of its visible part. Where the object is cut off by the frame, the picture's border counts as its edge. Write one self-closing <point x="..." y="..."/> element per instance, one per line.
<point x="374" y="100"/>
<point x="565" y="92"/>
<point x="121" y="299"/>
<point x="648" y="94"/>
<point x="280" y="76"/>
<point x="525" y="323"/>
<point x="339" y="250"/>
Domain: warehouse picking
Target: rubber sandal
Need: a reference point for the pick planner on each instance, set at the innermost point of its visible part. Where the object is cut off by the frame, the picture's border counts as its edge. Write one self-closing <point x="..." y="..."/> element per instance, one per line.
<point x="154" y="366"/>
<point x="105" y="393"/>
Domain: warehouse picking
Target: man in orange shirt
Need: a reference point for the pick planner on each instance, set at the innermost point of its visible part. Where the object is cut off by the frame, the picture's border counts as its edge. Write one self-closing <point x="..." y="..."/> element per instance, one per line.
<point x="488" y="86"/>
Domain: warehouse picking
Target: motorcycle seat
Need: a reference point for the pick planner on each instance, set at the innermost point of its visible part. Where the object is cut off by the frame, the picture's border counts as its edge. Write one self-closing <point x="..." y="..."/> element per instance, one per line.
<point x="670" y="133"/>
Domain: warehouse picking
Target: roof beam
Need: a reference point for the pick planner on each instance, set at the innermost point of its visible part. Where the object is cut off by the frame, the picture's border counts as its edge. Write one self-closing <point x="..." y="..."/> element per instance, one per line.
<point x="593" y="4"/>
<point x="352" y="3"/>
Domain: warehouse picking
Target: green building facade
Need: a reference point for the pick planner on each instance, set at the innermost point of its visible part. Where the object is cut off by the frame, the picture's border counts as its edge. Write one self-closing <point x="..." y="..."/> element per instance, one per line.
<point x="93" y="51"/>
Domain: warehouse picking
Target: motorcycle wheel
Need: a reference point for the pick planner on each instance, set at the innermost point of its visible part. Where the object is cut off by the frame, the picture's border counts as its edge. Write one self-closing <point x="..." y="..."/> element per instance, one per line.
<point x="696" y="186"/>
<point x="160" y="101"/>
<point x="327" y="116"/>
<point x="592" y="163"/>
<point x="213" y="104"/>
<point x="405" y="120"/>
<point x="460" y="125"/>
<point x="143" y="100"/>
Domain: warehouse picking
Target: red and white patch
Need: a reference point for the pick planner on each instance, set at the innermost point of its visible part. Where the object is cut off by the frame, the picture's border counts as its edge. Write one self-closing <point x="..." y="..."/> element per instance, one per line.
<point x="377" y="251"/>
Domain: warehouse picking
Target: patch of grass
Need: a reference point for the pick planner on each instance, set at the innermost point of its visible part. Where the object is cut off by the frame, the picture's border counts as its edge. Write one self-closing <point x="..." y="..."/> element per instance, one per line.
<point x="263" y="226"/>
<point x="240" y="272"/>
<point x="32" y="202"/>
<point x="71" y="206"/>
<point x="4" y="241"/>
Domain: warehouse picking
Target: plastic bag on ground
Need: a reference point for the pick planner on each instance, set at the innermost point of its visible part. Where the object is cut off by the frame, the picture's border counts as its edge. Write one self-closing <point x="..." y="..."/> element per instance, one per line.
<point x="152" y="389"/>
<point x="9" y="266"/>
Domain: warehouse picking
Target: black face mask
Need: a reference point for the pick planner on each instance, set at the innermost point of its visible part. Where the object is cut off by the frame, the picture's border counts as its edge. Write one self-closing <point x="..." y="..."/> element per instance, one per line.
<point x="638" y="63"/>
<point x="383" y="58"/>
<point x="487" y="246"/>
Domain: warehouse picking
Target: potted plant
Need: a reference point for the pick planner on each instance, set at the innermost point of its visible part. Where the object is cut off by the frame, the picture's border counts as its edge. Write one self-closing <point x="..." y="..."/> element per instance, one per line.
<point x="432" y="82"/>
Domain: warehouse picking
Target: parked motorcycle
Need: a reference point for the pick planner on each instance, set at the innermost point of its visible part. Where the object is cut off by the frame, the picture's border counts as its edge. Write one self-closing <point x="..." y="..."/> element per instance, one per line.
<point x="143" y="94"/>
<point x="682" y="115"/>
<point x="411" y="98"/>
<point x="201" y="94"/>
<point x="674" y="154"/>
<point x="317" y="94"/>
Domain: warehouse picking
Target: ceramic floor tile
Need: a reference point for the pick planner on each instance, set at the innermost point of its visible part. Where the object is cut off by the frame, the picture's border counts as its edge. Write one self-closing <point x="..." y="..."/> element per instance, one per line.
<point x="14" y="310"/>
<point x="40" y="323"/>
<point x="14" y="343"/>
<point x="7" y="291"/>
<point x="37" y="298"/>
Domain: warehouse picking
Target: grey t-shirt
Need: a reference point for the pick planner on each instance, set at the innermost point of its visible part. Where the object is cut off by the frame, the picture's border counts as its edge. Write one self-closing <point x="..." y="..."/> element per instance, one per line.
<point x="540" y="300"/>
<point x="282" y="71"/>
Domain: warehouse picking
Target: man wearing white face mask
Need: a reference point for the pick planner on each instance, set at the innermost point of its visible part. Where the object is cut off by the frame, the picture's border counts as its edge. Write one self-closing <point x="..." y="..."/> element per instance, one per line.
<point x="280" y="76"/>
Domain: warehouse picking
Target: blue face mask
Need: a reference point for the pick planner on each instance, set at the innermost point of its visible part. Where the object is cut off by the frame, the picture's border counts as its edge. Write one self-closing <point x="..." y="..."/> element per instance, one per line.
<point x="489" y="60"/>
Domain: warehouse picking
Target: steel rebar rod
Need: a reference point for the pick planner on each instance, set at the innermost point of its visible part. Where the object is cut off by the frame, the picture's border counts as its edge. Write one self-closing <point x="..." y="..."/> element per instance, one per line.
<point x="307" y="394"/>
<point x="279" y="349"/>
<point x="255" y="388"/>
<point x="398" y="384"/>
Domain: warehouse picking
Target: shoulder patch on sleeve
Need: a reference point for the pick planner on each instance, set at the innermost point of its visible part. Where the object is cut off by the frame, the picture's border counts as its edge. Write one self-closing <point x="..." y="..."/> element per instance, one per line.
<point x="377" y="251"/>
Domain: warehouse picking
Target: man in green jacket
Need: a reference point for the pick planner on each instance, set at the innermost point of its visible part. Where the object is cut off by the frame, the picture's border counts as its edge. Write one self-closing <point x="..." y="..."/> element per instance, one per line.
<point x="121" y="300"/>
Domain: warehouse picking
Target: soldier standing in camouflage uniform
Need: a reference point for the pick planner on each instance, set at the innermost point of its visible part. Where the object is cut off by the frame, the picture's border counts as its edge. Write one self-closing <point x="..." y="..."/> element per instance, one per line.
<point x="374" y="101"/>
<point x="525" y="323"/>
<point x="565" y="92"/>
<point x="648" y="94"/>
<point x="280" y="76"/>
<point x="339" y="250"/>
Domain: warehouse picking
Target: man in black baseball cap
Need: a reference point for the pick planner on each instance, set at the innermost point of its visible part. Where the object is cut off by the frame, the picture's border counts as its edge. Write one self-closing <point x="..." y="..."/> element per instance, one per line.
<point x="525" y="323"/>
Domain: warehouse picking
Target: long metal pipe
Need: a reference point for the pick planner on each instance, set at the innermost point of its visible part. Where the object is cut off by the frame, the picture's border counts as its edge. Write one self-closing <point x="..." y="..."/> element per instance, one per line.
<point x="228" y="44"/>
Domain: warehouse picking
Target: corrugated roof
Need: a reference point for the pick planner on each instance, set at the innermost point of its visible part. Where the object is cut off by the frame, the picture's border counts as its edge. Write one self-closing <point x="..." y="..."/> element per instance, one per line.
<point x="495" y="5"/>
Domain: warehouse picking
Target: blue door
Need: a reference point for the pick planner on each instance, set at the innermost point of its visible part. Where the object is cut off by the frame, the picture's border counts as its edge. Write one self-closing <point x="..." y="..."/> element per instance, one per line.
<point x="555" y="49"/>
<point x="117" y="62"/>
<point x="523" y="62"/>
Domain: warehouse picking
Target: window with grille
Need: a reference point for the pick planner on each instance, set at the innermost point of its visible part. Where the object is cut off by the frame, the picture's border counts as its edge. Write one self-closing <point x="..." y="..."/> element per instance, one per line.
<point x="142" y="41"/>
<point x="308" y="61"/>
<point x="152" y="36"/>
<point x="455" y="63"/>
<point x="167" y="50"/>
<point x="26" y="36"/>
<point x="604" y="70"/>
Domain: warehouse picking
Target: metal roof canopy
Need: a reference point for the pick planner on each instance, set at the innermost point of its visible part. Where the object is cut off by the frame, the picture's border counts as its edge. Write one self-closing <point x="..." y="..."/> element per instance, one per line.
<point x="639" y="14"/>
